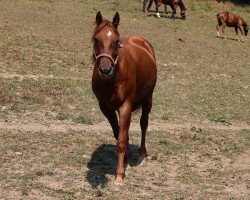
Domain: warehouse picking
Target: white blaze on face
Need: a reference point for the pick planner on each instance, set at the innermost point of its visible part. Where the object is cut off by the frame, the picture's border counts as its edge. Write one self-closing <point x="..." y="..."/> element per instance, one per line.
<point x="109" y="34"/>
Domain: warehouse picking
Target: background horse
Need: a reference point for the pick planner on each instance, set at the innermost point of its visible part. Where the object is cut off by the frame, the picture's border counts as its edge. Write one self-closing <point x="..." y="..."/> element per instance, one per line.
<point x="173" y="4"/>
<point x="231" y="20"/>
<point x="123" y="80"/>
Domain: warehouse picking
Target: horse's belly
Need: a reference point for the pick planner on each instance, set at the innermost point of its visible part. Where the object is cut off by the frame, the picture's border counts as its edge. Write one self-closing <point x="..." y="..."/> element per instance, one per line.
<point x="230" y="25"/>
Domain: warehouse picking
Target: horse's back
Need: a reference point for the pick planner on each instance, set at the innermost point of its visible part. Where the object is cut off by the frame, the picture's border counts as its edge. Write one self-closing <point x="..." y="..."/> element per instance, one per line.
<point x="138" y="43"/>
<point x="139" y="52"/>
<point x="141" y="64"/>
<point x="230" y="19"/>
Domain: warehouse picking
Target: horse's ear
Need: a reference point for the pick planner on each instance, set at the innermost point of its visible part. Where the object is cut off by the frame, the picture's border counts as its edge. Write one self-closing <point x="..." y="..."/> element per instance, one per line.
<point x="98" y="18"/>
<point x="116" y="19"/>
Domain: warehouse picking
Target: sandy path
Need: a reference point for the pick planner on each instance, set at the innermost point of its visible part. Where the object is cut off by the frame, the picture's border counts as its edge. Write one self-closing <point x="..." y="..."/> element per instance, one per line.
<point x="104" y="127"/>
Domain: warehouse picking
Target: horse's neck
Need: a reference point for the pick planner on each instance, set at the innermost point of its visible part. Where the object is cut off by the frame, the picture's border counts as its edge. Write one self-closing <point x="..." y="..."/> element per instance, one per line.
<point x="182" y="6"/>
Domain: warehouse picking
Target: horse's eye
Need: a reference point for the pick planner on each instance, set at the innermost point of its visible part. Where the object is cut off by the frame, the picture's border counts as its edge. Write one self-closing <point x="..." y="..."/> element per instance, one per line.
<point x="117" y="43"/>
<point x="96" y="40"/>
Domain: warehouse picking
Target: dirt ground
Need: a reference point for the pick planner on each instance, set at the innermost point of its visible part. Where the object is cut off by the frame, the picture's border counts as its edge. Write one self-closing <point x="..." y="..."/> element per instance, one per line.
<point x="76" y="161"/>
<point x="56" y="144"/>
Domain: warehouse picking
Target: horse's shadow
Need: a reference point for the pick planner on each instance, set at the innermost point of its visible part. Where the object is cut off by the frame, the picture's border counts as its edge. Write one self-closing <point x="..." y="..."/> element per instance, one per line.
<point x="103" y="162"/>
<point x="163" y="15"/>
<point x="220" y="37"/>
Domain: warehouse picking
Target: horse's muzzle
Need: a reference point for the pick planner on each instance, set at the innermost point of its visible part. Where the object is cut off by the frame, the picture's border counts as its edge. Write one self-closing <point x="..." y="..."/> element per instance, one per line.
<point x="106" y="72"/>
<point x="184" y="17"/>
<point x="106" y="65"/>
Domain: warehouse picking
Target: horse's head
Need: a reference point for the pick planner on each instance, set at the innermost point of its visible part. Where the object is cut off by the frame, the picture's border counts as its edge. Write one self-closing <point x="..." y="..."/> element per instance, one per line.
<point x="106" y="44"/>
<point x="184" y="13"/>
<point x="246" y="28"/>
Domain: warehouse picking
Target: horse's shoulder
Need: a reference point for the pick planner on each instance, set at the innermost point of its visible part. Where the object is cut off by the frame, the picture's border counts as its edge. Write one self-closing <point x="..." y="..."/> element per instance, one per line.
<point x="131" y="38"/>
<point x="137" y="44"/>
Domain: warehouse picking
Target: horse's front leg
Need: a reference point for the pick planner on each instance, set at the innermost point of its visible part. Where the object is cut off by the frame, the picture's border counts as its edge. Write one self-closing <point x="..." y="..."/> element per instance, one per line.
<point x="112" y="118"/>
<point x="242" y="33"/>
<point x="236" y="32"/>
<point x="122" y="143"/>
<point x="223" y="30"/>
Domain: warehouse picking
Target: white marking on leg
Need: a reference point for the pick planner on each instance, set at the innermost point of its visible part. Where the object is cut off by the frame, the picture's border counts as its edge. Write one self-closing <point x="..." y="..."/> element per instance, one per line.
<point x="158" y="15"/>
<point x="218" y="34"/>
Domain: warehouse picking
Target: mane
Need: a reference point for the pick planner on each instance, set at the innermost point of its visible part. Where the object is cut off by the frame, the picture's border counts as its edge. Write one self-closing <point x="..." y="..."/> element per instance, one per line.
<point x="105" y="23"/>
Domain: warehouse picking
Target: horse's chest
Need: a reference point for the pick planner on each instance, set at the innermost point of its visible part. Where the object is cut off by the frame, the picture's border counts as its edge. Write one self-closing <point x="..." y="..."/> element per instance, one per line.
<point x="112" y="96"/>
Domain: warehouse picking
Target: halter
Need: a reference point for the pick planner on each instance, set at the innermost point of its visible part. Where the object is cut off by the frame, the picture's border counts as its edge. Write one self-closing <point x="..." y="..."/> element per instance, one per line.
<point x="102" y="55"/>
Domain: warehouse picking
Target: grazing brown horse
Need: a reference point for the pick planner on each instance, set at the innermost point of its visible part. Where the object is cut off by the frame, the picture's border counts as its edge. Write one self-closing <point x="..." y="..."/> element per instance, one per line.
<point x="231" y="20"/>
<point x="173" y="4"/>
<point x="124" y="77"/>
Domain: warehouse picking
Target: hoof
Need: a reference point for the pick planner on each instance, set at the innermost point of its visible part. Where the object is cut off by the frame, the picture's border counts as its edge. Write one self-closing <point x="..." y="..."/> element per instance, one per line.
<point x="117" y="187"/>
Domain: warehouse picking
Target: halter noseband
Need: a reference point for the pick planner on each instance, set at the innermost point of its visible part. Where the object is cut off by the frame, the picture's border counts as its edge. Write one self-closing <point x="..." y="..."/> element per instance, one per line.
<point x="114" y="62"/>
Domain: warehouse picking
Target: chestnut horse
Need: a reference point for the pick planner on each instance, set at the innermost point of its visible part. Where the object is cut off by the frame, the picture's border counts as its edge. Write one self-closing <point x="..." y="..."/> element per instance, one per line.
<point x="231" y="20"/>
<point x="124" y="77"/>
<point x="172" y="3"/>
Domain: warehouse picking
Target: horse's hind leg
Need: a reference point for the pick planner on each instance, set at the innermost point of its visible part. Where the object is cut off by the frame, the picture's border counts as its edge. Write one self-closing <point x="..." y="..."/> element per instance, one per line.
<point x="174" y="10"/>
<point x="112" y="118"/>
<point x="144" y="5"/>
<point x="166" y="9"/>
<point x="217" y="29"/>
<point x="146" y="108"/>
<point x="149" y="4"/>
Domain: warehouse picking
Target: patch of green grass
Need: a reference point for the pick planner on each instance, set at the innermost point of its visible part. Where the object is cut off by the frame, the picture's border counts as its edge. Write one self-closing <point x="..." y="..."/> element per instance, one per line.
<point x="27" y="176"/>
<point x="222" y="120"/>
<point x="171" y="147"/>
<point x="83" y="118"/>
<point x="62" y="116"/>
